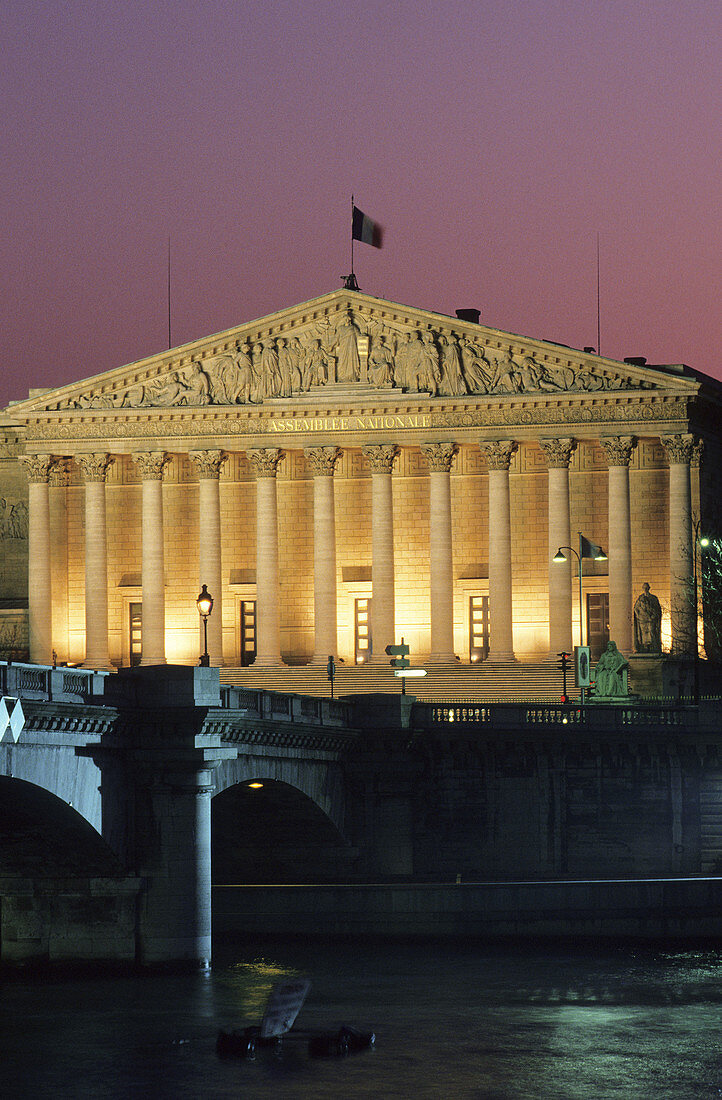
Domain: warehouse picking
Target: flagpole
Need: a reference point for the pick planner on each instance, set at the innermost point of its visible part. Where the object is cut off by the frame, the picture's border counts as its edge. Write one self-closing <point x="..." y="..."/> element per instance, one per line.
<point x="599" y="336"/>
<point x="170" y="345"/>
<point x="352" y="206"/>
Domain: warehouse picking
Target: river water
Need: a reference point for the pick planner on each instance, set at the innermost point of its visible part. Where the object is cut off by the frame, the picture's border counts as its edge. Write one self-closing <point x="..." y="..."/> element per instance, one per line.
<point x="451" y="1021"/>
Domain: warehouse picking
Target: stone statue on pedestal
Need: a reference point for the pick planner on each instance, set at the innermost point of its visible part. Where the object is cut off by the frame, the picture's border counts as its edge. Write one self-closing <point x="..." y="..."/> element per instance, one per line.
<point x="647" y="623"/>
<point x="609" y="675"/>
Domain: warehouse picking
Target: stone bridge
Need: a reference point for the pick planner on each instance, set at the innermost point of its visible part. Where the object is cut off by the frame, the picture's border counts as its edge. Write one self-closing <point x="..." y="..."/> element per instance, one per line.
<point x="108" y="780"/>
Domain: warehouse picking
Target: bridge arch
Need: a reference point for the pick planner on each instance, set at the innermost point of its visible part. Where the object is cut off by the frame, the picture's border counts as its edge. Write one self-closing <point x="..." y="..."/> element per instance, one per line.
<point x="265" y="830"/>
<point x="41" y="834"/>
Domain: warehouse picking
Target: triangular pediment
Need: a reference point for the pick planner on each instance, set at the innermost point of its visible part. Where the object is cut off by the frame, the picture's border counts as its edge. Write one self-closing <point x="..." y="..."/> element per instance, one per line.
<point x="350" y="340"/>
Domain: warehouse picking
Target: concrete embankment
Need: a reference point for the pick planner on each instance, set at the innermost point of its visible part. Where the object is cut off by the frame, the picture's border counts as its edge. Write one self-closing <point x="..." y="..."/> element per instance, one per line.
<point x="635" y="908"/>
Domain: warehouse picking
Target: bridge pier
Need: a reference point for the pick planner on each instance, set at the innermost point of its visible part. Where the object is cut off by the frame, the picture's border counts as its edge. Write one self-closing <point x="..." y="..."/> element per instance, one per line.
<point x="157" y="767"/>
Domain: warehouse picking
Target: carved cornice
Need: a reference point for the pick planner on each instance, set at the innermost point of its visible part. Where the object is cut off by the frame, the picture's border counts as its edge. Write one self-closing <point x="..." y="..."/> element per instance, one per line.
<point x="94" y="467"/>
<point x="151" y="464"/>
<point x="380" y="456"/>
<point x="322" y="460"/>
<point x="679" y="448"/>
<point x="38" y="467"/>
<point x="265" y="461"/>
<point x="208" y="464"/>
<point x="498" y="453"/>
<point x="618" y="449"/>
<point x="558" y="452"/>
<point x="439" y="456"/>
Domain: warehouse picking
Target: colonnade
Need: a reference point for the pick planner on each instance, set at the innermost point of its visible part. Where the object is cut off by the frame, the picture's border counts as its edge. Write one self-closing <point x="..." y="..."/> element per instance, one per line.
<point x="322" y="461"/>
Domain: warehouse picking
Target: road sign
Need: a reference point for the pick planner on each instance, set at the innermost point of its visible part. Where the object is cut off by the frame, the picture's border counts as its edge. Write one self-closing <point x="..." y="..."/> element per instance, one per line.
<point x="399" y="654"/>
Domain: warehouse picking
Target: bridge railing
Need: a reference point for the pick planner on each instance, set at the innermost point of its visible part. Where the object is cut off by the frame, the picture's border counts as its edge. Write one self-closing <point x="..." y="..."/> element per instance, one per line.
<point x="277" y="707"/>
<point x="516" y="716"/>
<point x="46" y="684"/>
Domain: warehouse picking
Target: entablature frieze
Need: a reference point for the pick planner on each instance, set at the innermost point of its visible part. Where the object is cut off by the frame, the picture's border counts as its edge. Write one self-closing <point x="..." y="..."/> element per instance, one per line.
<point x="206" y="429"/>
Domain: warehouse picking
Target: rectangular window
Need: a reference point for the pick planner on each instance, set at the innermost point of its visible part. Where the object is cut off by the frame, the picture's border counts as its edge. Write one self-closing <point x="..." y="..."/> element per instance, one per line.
<point x="478" y="628"/>
<point x="248" y="632"/>
<point x="597" y="622"/>
<point x="135" y="621"/>
<point x="362" y="630"/>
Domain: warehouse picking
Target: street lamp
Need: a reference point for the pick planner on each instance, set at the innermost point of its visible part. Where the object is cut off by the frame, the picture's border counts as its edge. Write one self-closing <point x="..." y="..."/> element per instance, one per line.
<point x="587" y="549"/>
<point x="204" y="603"/>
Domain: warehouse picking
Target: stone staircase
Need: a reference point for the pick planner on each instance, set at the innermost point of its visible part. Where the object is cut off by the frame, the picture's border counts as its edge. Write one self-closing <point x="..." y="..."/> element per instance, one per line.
<point x="478" y="683"/>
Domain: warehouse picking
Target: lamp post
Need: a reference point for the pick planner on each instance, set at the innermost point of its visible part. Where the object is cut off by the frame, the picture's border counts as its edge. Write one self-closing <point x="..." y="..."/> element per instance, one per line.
<point x="703" y="543"/>
<point x="586" y="549"/>
<point x="204" y="603"/>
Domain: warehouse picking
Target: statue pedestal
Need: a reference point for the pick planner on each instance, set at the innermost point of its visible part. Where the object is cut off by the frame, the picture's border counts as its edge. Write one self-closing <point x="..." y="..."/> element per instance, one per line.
<point x="646" y="675"/>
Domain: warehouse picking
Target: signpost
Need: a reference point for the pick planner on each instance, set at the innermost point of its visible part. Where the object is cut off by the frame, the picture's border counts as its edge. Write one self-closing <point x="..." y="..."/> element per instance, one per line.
<point x="400" y="654"/>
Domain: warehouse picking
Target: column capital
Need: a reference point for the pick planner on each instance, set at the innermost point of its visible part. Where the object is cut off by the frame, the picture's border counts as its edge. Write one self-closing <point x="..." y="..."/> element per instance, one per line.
<point x="380" y="456"/>
<point x="265" y="461"/>
<point x="618" y="449"/>
<point x="151" y="464"/>
<point x="558" y="452"/>
<point x="680" y="448"/>
<point x="208" y="464"/>
<point x="498" y="452"/>
<point x="322" y="460"/>
<point x="94" y="467"/>
<point x="439" y="456"/>
<point x="60" y="474"/>
<point x="39" y="467"/>
<point x="697" y="452"/>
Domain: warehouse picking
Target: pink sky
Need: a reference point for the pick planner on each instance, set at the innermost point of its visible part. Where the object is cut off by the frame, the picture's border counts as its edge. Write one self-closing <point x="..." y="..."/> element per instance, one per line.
<point x="493" y="140"/>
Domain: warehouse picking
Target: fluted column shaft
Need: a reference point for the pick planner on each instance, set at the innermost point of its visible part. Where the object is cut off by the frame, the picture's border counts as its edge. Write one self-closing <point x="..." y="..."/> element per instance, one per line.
<point x="94" y="468"/>
<point x="501" y="639"/>
<point x="680" y="450"/>
<point x="208" y="465"/>
<point x="268" y="584"/>
<point x="383" y="621"/>
<point x="440" y="457"/>
<point x="39" y="567"/>
<point x="322" y="461"/>
<point x="619" y="450"/>
<point x="558" y="453"/>
<point x="151" y="465"/>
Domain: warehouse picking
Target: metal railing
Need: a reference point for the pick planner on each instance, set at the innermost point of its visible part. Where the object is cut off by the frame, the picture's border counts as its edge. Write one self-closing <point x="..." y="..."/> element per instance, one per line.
<point x="520" y="716"/>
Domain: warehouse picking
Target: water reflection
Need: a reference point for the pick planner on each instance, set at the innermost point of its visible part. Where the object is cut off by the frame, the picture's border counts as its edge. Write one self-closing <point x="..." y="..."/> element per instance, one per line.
<point x="450" y="1021"/>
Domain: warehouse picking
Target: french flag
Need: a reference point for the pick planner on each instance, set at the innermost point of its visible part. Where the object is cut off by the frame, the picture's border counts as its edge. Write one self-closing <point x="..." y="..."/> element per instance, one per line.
<point x="365" y="230"/>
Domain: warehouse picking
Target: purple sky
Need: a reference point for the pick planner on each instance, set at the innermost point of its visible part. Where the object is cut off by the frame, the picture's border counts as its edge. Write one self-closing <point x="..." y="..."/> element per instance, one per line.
<point x="492" y="139"/>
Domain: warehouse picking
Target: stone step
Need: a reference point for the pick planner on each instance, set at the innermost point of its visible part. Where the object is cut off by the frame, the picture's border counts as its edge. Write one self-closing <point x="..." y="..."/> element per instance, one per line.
<point x="540" y="681"/>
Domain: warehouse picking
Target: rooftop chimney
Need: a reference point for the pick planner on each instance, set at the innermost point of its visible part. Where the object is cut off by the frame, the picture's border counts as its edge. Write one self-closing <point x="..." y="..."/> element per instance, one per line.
<point x="471" y="315"/>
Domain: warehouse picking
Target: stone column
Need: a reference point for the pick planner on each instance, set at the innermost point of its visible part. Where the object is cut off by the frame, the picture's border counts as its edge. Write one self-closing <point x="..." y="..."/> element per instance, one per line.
<point x="208" y="466"/>
<point x="40" y="602"/>
<point x="558" y="453"/>
<point x="680" y="450"/>
<point x="151" y="465"/>
<point x="322" y="461"/>
<point x="94" y="468"/>
<point x="268" y="585"/>
<point x="619" y="451"/>
<point x="498" y="457"/>
<point x="58" y="492"/>
<point x="440" y="457"/>
<point x="383" y="622"/>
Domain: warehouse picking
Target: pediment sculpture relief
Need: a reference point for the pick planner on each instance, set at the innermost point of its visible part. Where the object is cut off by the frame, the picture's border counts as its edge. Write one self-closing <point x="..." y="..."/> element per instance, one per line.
<point x="415" y="360"/>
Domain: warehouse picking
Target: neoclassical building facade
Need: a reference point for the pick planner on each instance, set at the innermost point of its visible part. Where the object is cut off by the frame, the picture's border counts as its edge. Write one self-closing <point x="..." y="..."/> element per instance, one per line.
<point x="345" y="473"/>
